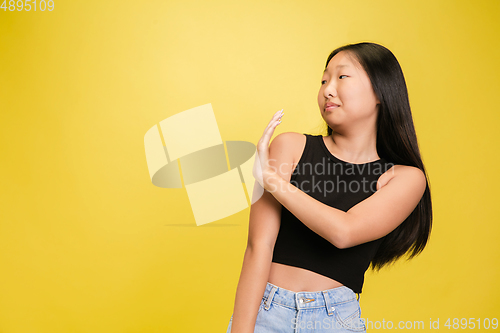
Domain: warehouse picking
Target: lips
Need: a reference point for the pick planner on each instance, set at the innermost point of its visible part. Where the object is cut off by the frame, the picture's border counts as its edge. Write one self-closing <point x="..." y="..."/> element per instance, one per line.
<point x="331" y="106"/>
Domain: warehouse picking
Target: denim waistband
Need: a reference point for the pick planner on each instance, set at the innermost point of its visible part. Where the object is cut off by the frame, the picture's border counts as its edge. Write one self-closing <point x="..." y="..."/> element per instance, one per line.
<point x="328" y="298"/>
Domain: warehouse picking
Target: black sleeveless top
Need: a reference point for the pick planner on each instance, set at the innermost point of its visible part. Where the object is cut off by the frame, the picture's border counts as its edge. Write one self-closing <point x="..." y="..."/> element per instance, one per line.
<point x="338" y="184"/>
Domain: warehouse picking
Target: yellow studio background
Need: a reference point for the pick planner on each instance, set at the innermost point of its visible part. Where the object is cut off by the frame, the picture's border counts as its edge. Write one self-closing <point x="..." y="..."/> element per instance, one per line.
<point x="89" y="244"/>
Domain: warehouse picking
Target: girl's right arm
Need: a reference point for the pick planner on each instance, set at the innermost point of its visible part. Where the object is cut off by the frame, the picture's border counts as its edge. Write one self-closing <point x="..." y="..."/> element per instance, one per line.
<point x="263" y="228"/>
<point x="264" y="224"/>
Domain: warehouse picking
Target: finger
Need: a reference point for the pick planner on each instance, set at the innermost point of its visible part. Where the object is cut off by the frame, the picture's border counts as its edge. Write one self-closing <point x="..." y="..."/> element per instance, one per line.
<point x="278" y="113"/>
<point x="268" y="133"/>
<point x="272" y="124"/>
<point x="277" y="116"/>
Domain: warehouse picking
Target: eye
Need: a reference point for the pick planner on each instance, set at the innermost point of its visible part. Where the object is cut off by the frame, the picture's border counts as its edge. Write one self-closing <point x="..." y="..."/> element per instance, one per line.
<point x="323" y="82"/>
<point x="341" y="76"/>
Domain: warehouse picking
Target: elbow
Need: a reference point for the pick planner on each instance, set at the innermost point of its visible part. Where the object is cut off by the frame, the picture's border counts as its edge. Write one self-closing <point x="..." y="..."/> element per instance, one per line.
<point x="341" y="238"/>
<point x="342" y="243"/>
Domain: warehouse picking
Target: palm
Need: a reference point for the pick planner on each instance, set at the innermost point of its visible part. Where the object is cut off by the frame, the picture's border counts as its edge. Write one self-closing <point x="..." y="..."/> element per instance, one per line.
<point x="262" y="170"/>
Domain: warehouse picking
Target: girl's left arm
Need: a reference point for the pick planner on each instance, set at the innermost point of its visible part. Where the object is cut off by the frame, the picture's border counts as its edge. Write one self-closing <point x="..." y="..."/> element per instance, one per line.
<point x="370" y="219"/>
<point x="399" y="190"/>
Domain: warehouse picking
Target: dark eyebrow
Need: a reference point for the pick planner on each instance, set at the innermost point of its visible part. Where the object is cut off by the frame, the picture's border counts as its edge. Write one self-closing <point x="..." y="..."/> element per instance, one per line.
<point x="338" y="66"/>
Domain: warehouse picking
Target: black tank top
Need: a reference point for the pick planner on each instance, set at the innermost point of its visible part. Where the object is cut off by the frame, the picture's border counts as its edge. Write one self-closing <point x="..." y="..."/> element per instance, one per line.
<point x="338" y="184"/>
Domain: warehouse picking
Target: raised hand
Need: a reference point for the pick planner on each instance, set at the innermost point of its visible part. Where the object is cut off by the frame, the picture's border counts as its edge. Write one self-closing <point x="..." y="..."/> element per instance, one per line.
<point x="262" y="170"/>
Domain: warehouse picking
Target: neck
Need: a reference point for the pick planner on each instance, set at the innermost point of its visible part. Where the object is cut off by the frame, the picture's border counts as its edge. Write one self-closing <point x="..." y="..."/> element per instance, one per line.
<point x="355" y="147"/>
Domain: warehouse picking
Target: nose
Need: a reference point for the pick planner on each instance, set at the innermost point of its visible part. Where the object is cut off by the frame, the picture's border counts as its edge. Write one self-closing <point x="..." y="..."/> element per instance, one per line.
<point x="330" y="90"/>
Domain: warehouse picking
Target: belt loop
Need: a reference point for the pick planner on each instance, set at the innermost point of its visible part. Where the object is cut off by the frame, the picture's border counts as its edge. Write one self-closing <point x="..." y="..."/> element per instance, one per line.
<point x="329" y="307"/>
<point x="270" y="298"/>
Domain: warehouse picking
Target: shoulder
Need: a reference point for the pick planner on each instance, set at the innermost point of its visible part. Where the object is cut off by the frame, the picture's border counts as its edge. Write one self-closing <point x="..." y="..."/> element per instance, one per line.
<point x="289" y="139"/>
<point x="285" y="152"/>
<point x="410" y="175"/>
<point x="290" y="144"/>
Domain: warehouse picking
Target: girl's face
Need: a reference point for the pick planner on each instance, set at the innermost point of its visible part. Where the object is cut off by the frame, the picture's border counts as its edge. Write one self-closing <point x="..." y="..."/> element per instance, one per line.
<point x="346" y="98"/>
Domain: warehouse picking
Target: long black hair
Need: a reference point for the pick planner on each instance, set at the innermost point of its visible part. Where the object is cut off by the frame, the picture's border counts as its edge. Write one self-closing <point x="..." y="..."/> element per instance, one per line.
<point x="397" y="143"/>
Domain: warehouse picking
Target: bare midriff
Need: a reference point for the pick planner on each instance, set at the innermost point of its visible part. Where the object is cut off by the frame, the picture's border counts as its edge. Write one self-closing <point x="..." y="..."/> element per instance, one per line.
<point x="298" y="279"/>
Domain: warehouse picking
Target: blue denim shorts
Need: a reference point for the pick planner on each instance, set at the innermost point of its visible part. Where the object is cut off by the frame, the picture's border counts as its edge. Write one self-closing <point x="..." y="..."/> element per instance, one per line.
<point x="331" y="310"/>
